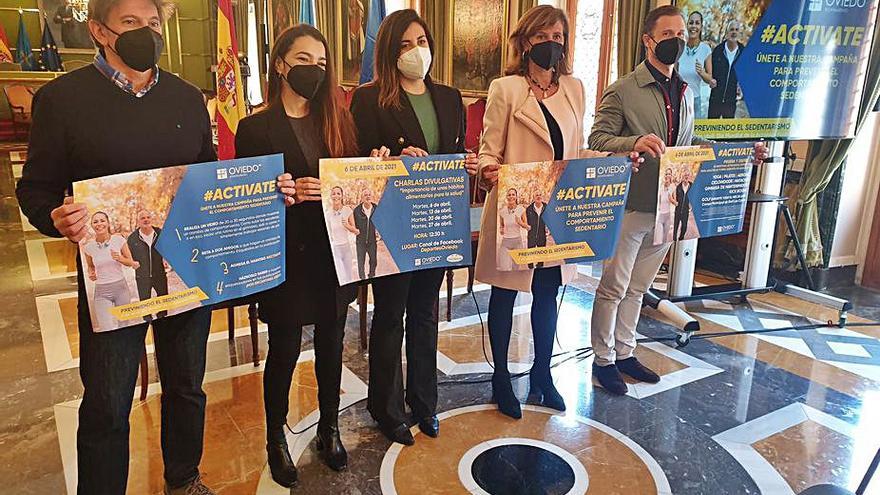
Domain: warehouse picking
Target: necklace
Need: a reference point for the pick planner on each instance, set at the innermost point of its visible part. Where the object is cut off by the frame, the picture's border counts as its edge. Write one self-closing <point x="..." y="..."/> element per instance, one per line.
<point x="542" y="88"/>
<point x="692" y="51"/>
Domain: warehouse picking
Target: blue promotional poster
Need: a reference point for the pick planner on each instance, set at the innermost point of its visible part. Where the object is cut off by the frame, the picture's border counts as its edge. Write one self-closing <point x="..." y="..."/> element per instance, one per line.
<point x="395" y="215"/>
<point x="777" y="69"/>
<point x="550" y="213"/>
<point x="169" y="240"/>
<point x="702" y="191"/>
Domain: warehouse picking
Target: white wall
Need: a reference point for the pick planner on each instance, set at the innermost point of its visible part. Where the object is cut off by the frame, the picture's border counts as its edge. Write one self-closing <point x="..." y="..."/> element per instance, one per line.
<point x="860" y="182"/>
<point x="872" y="178"/>
<point x="393" y="5"/>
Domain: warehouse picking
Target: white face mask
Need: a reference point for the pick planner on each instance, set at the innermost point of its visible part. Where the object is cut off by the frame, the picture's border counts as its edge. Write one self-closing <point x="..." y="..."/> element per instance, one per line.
<point x="415" y="63"/>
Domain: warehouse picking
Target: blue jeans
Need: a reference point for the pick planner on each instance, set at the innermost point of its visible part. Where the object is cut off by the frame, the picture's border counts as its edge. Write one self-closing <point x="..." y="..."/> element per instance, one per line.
<point x="109" y="369"/>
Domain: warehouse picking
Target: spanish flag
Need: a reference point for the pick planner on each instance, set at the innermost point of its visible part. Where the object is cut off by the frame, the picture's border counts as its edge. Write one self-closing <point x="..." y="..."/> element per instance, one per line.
<point x="5" y="52"/>
<point x="230" y="92"/>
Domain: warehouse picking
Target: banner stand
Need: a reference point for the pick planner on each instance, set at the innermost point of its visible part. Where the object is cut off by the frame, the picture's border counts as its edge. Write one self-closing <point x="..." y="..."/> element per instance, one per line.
<point x="768" y="204"/>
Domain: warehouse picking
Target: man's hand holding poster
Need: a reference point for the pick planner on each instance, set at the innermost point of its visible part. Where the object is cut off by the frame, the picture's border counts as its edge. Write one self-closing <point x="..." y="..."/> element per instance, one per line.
<point x="702" y="191"/>
<point x="555" y="212"/>
<point x="168" y="240"/>
<point x="394" y="215"/>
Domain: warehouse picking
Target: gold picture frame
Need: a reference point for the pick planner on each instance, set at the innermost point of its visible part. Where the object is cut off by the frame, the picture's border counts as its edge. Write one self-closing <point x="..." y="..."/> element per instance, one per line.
<point x="476" y="44"/>
<point x="68" y="22"/>
<point x="282" y="14"/>
<point x="351" y="37"/>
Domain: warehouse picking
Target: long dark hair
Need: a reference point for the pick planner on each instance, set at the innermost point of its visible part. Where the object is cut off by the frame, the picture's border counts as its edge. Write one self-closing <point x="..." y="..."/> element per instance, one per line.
<point x="386" y="76"/>
<point x="337" y="125"/>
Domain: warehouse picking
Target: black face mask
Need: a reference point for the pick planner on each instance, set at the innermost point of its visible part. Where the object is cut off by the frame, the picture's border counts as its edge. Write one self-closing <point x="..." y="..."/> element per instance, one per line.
<point x="140" y="48"/>
<point x="669" y="50"/>
<point x="305" y="80"/>
<point x="546" y="54"/>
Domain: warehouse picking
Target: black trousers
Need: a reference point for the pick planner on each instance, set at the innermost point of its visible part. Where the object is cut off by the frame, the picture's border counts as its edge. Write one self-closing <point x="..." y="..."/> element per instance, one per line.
<point x="364" y="249"/>
<point x="109" y="368"/>
<point x="415" y="294"/>
<point x="681" y="224"/>
<point x="145" y="287"/>
<point x="285" y="343"/>
<point x="545" y="287"/>
<point x="720" y="110"/>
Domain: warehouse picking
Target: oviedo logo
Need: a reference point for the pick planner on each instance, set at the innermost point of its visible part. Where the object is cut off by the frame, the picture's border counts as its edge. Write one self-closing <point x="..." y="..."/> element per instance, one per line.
<point x="836" y="5"/>
<point x="594" y="172"/>
<point x="238" y="171"/>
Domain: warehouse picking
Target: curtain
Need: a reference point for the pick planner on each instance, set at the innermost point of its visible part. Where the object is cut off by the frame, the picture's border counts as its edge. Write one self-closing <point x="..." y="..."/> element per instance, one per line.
<point x="823" y="159"/>
<point x="436" y="13"/>
<point x="630" y="19"/>
<point x="327" y="17"/>
<point x="524" y="5"/>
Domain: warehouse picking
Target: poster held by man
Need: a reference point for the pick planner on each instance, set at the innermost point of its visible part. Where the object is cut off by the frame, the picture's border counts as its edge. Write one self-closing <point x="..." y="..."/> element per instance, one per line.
<point x="165" y="241"/>
<point x="702" y="191"/>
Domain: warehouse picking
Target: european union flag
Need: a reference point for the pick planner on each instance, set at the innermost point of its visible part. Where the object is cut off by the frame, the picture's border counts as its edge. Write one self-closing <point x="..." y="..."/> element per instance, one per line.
<point x="23" y="53"/>
<point x="50" y="60"/>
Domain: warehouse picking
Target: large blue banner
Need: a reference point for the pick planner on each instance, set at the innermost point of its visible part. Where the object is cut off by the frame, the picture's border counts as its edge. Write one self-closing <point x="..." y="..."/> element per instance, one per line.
<point x="395" y="215"/>
<point x="168" y="240"/>
<point x="702" y="191"/>
<point x="797" y="71"/>
<point x="551" y="213"/>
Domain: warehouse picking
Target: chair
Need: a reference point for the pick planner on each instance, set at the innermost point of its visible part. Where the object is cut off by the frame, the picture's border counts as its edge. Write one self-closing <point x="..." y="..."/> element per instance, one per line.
<point x="230" y="319"/>
<point x="211" y="103"/>
<point x="475" y="112"/>
<point x="252" y="319"/>
<point x="20" y="99"/>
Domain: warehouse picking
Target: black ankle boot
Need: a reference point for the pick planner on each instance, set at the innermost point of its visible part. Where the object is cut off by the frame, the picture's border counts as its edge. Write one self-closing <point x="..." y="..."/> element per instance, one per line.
<point x="502" y="394"/>
<point x="280" y="464"/>
<point x="542" y="391"/>
<point x="330" y="446"/>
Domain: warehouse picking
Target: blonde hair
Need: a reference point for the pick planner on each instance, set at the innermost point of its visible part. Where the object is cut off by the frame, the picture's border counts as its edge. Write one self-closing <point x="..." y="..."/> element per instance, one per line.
<point x="529" y="24"/>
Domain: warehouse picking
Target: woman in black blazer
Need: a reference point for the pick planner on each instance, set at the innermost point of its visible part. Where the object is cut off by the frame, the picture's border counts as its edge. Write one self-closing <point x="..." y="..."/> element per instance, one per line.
<point x="305" y="123"/>
<point x="403" y="112"/>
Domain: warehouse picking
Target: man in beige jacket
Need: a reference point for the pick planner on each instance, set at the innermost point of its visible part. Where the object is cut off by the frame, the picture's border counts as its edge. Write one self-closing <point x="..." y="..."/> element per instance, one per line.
<point x="646" y="110"/>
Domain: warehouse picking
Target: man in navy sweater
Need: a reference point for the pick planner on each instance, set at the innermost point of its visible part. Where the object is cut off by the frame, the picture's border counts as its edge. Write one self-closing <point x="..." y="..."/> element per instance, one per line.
<point x="122" y="114"/>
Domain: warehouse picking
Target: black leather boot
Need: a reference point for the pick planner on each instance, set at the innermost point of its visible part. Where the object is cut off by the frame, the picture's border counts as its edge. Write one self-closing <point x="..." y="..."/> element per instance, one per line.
<point x="280" y="464"/>
<point x="502" y="394"/>
<point x="542" y="391"/>
<point x="330" y="446"/>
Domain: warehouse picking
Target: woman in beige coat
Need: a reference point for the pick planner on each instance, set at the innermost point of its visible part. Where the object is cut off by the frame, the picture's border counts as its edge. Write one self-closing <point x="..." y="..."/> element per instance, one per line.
<point x="533" y="114"/>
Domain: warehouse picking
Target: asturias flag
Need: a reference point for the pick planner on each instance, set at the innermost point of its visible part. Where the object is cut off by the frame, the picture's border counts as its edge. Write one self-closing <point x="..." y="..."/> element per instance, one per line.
<point x="377" y="14"/>
<point x="23" y="53"/>
<point x="230" y="91"/>
<point x="5" y="52"/>
<point x="50" y="60"/>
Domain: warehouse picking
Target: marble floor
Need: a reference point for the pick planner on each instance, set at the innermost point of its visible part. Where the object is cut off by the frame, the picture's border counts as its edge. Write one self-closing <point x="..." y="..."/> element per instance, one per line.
<point x="740" y="414"/>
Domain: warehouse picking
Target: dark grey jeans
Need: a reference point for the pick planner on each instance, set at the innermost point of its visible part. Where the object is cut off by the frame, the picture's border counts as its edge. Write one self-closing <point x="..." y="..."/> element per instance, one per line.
<point x="109" y="369"/>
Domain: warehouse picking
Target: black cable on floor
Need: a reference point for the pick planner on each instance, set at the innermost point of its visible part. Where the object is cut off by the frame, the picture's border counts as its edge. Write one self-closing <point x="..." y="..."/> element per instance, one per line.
<point x="583" y="353"/>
